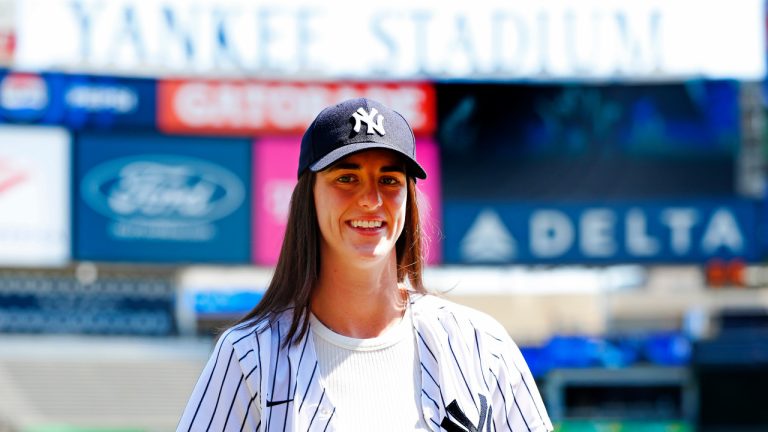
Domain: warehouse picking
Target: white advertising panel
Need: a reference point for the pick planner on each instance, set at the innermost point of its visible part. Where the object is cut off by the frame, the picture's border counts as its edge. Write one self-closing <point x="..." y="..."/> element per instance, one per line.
<point x="547" y="40"/>
<point x="7" y="31"/>
<point x="34" y="196"/>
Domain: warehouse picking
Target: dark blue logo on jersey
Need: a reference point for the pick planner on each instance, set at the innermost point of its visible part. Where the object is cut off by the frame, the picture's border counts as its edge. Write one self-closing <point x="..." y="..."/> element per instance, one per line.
<point x="464" y="424"/>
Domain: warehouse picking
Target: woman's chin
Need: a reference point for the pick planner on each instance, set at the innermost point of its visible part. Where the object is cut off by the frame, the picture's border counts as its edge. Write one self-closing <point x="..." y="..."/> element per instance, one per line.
<point x="373" y="253"/>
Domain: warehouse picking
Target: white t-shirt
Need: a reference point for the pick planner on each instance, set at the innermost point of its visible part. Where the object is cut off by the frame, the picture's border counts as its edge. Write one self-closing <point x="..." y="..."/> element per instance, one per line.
<point x="373" y="382"/>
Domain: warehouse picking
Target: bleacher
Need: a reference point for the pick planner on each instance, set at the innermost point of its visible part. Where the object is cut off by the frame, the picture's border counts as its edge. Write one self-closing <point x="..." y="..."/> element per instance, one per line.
<point x="97" y="381"/>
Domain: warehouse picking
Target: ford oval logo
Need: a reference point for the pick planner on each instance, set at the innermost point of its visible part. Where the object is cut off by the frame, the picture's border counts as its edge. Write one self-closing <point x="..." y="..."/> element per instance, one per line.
<point x="162" y="190"/>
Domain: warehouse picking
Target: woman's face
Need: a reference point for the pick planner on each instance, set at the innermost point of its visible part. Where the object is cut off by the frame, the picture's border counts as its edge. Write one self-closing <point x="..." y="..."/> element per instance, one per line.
<point x="361" y="202"/>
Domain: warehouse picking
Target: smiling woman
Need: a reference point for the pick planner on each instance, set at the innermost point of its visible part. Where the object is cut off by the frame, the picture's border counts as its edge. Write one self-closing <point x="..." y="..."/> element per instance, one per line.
<point x="346" y="336"/>
<point x="360" y="204"/>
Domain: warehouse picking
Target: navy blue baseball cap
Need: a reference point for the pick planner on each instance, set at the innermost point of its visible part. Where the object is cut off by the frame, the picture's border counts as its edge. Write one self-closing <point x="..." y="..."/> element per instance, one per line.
<point x="356" y="125"/>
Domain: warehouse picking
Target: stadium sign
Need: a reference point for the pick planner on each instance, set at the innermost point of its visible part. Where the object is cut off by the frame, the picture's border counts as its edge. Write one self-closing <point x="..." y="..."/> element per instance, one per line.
<point x="162" y="196"/>
<point x="148" y="197"/>
<point x="548" y="40"/>
<point x="640" y="232"/>
<point x="34" y="196"/>
<point x="76" y="101"/>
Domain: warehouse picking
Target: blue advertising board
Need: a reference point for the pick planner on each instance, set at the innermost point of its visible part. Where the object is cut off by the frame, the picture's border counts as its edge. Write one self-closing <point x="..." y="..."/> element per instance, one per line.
<point x="599" y="233"/>
<point x="106" y="102"/>
<point x="77" y="101"/>
<point x="153" y="198"/>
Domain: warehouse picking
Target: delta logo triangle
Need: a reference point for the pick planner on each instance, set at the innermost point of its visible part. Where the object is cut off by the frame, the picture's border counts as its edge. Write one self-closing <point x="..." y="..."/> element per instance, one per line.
<point x="488" y="240"/>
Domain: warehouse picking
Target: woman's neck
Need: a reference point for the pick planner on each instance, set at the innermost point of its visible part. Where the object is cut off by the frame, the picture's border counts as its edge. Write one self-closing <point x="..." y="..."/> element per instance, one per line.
<point x="358" y="302"/>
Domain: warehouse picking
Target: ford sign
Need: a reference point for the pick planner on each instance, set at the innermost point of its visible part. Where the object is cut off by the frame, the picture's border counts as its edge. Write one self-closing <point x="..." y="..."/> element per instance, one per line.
<point x="162" y="191"/>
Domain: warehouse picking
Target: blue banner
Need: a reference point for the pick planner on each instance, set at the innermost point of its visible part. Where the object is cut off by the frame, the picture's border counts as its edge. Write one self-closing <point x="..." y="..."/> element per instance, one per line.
<point x="147" y="197"/>
<point x="599" y="233"/>
<point x="77" y="101"/>
<point x="106" y="102"/>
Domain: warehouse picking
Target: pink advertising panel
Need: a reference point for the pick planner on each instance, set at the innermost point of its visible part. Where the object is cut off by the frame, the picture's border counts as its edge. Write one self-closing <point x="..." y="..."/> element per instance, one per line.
<point x="274" y="176"/>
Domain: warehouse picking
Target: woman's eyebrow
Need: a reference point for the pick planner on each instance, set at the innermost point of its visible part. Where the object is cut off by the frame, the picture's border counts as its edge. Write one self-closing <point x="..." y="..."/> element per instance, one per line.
<point x="393" y="168"/>
<point x="354" y="166"/>
<point x="344" y="166"/>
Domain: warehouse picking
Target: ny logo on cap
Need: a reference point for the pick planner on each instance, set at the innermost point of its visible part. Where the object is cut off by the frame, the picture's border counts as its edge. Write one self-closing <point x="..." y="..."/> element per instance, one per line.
<point x="361" y="116"/>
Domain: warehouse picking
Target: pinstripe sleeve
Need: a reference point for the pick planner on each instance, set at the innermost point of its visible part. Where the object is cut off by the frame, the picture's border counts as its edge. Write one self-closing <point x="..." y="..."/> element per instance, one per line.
<point x="516" y="390"/>
<point x="221" y="399"/>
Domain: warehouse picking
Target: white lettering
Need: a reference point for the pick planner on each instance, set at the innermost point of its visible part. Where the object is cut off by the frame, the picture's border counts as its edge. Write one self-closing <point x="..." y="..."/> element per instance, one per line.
<point x="639" y="242"/>
<point x="191" y="104"/>
<point x="154" y="189"/>
<point x="597" y="233"/>
<point x="118" y="99"/>
<point x="285" y="106"/>
<point x="722" y="232"/>
<point x="375" y="123"/>
<point x="680" y="221"/>
<point x="255" y="103"/>
<point x="551" y="233"/>
<point x="407" y="100"/>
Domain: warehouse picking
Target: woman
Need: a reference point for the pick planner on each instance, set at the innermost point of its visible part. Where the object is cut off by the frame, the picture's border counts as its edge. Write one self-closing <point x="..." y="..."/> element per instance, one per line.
<point x="347" y="337"/>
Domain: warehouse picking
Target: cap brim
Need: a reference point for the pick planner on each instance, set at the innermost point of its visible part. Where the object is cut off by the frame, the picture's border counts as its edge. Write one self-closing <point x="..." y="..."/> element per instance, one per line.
<point x="413" y="167"/>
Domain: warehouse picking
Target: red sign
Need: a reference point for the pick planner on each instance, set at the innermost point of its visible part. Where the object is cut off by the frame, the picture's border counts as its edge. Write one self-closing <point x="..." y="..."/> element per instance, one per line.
<point x="7" y="45"/>
<point x="247" y="107"/>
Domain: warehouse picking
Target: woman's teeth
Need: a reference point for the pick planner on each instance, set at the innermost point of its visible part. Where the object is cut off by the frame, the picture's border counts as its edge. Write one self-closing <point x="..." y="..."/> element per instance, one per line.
<point x="366" y="224"/>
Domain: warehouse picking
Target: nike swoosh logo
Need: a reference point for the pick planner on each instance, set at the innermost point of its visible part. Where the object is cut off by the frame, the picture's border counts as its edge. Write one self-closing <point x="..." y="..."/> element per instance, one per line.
<point x="280" y="402"/>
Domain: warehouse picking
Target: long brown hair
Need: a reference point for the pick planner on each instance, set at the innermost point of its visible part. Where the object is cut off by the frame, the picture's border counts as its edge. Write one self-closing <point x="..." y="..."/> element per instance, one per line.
<point x="298" y="265"/>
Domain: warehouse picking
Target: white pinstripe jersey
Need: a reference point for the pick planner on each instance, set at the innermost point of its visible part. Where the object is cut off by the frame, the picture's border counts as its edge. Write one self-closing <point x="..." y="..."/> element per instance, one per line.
<point x="473" y="378"/>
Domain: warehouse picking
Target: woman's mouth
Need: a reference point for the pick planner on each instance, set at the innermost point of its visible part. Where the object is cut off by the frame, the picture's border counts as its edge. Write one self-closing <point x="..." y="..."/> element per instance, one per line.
<point x="366" y="224"/>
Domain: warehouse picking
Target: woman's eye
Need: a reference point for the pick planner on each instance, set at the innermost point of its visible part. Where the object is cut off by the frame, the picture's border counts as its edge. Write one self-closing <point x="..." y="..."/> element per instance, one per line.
<point x="344" y="179"/>
<point x="389" y="181"/>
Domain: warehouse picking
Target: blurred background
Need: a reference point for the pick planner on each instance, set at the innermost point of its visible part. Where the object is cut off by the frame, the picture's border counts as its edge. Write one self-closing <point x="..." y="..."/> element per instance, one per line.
<point x="596" y="183"/>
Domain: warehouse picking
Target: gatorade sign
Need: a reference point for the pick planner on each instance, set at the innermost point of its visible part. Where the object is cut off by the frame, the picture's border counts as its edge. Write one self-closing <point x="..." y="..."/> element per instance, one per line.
<point x="250" y="108"/>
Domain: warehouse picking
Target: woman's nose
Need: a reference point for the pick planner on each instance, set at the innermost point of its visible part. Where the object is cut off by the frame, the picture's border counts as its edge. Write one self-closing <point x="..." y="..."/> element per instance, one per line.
<point x="370" y="196"/>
